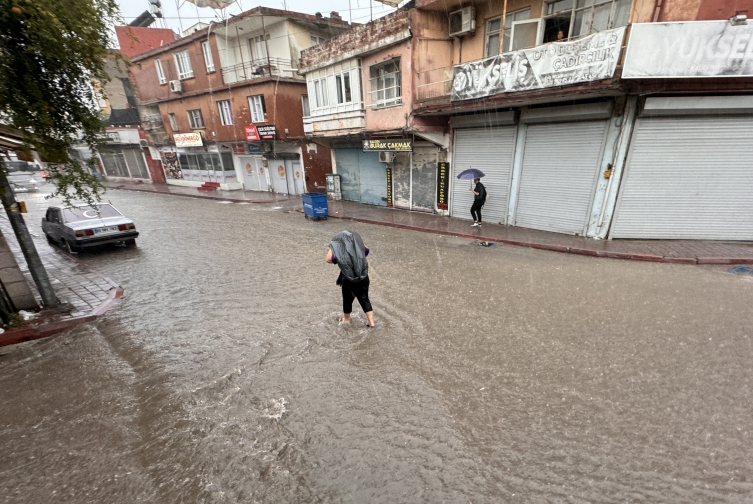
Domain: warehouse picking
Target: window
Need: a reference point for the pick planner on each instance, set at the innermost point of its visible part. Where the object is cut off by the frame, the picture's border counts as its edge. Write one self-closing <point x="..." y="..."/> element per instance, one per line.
<point x="160" y="72"/>
<point x="493" y="29"/>
<point x="226" y="113"/>
<point x="320" y="92"/>
<point x="183" y="63"/>
<point x="258" y="108"/>
<point x="509" y="20"/>
<point x="305" y="103"/>
<point x="317" y="40"/>
<point x="195" y="120"/>
<point x="386" y="88"/>
<point x="578" y="18"/>
<point x="342" y="83"/>
<point x="258" y="47"/>
<point x="208" y="61"/>
<point x="173" y="121"/>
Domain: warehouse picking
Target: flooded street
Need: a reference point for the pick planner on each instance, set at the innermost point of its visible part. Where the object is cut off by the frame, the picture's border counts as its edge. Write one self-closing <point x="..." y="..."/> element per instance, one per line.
<point x="499" y="374"/>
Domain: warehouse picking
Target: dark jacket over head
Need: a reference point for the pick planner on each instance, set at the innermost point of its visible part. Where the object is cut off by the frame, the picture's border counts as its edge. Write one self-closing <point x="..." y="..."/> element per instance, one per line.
<point x="351" y="256"/>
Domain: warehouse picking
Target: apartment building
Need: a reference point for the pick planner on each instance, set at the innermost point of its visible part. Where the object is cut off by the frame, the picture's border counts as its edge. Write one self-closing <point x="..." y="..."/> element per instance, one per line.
<point x="231" y="101"/>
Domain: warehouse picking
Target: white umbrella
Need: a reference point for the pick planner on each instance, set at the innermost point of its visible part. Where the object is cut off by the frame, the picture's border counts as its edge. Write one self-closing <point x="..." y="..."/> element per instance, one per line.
<point x="214" y="4"/>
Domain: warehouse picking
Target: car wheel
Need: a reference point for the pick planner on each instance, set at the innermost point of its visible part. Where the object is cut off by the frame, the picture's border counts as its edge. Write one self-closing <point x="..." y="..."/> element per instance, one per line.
<point x="130" y="243"/>
<point x="70" y="248"/>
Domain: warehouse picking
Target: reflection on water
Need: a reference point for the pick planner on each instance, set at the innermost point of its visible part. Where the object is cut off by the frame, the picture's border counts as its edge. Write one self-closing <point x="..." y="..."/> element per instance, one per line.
<point x="495" y="374"/>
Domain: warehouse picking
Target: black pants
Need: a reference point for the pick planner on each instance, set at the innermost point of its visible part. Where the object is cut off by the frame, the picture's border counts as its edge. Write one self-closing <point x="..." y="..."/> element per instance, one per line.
<point x="476" y="210"/>
<point x="358" y="290"/>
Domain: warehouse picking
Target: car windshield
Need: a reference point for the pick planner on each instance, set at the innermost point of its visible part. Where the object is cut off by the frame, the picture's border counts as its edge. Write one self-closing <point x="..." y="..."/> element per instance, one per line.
<point x="84" y="213"/>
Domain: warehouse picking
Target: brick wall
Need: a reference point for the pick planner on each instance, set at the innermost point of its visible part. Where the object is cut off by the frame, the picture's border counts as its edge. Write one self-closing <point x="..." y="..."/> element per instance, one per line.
<point x="359" y="37"/>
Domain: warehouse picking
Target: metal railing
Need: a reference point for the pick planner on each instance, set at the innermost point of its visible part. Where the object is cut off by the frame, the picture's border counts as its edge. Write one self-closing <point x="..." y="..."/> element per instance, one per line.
<point x="434" y="83"/>
<point x="257" y="69"/>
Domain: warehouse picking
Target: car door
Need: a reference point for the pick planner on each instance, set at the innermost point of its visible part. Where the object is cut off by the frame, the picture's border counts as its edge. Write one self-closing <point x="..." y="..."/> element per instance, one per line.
<point x="56" y="224"/>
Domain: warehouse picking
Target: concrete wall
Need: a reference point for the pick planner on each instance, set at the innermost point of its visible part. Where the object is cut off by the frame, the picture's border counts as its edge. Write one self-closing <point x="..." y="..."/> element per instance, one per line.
<point x="390" y="117"/>
<point x="13" y="280"/>
<point x="360" y="39"/>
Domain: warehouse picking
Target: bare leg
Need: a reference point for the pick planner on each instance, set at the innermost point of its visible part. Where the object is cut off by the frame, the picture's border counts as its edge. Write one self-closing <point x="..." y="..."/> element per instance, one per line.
<point x="370" y="316"/>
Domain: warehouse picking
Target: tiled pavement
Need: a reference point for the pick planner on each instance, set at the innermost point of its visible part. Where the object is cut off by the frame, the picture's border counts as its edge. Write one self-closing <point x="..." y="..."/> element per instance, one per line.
<point x="88" y="293"/>
<point x="671" y="251"/>
<point x="191" y="192"/>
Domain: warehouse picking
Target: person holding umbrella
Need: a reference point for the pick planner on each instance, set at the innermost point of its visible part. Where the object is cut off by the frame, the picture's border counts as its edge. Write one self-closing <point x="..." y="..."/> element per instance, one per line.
<point x="479" y="193"/>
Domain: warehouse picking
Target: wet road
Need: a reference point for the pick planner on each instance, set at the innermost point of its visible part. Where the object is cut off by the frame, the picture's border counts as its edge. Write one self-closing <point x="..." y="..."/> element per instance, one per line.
<point x="497" y="374"/>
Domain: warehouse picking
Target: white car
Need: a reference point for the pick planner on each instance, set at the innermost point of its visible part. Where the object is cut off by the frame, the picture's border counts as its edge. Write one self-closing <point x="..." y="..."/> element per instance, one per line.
<point x="21" y="176"/>
<point x="80" y="226"/>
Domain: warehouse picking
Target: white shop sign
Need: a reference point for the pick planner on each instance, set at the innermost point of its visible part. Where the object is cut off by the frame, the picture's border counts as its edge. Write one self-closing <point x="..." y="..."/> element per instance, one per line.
<point x="555" y="64"/>
<point x="692" y="49"/>
<point x="187" y="140"/>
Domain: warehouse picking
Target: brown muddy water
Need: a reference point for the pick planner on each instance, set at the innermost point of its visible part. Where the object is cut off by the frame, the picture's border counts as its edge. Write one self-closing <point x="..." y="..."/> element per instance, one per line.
<point x="495" y="375"/>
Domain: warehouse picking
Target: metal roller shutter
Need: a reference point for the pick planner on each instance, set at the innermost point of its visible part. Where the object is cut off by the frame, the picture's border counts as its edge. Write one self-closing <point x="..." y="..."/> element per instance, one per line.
<point x="373" y="179"/>
<point x="490" y="150"/>
<point x="688" y="178"/>
<point x="350" y="173"/>
<point x="557" y="179"/>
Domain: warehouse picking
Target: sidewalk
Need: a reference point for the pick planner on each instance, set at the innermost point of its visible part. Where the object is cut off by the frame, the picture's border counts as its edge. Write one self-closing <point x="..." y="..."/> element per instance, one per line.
<point x="88" y="293"/>
<point x="238" y="196"/>
<point x="667" y="251"/>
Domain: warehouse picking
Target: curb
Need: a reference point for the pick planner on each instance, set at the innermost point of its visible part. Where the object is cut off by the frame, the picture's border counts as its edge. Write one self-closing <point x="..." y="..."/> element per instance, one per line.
<point x="560" y="248"/>
<point x="232" y="200"/>
<point x="22" y="334"/>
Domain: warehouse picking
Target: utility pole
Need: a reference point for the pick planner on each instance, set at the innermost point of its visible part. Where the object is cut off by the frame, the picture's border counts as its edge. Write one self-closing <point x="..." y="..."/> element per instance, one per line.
<point x="36" y="268"/>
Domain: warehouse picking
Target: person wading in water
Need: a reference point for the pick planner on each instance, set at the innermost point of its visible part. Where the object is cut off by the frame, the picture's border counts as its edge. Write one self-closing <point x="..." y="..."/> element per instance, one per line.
<point x="349" y="253"/>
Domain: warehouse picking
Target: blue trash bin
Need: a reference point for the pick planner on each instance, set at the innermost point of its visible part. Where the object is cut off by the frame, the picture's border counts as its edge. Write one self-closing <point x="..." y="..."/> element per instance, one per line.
<point x="315" y="205"/>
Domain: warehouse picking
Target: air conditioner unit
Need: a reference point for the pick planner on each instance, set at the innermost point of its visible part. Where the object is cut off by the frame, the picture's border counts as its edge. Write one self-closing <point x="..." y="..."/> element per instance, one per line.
<point x="386" y="157"/>
<point x="462" y="21"/>
<point x="175" y="86"/>
<point x="143" y="143"/>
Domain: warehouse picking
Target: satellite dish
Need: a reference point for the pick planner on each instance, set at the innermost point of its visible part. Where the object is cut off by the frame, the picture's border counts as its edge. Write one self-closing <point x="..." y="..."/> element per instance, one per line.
<point x="214" y="4"/>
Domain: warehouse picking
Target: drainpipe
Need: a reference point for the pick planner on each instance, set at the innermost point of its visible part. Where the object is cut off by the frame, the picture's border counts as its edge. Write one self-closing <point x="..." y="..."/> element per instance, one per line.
<point x="502" y="33"/>
<point x="658" y="8"/>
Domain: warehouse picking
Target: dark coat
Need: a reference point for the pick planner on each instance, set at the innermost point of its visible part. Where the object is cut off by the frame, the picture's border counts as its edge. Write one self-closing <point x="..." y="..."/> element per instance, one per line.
<point x="351" y="256"/>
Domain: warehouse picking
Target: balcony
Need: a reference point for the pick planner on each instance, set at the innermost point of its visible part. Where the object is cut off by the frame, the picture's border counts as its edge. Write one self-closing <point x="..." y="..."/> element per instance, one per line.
<point x="435" y="83"/>
<point x="259" y="69"/>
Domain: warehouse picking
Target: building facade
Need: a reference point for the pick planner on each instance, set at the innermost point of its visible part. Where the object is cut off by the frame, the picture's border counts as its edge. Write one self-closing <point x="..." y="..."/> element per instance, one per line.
<point x="577" y="133"/>
<point x="231" y="102"/>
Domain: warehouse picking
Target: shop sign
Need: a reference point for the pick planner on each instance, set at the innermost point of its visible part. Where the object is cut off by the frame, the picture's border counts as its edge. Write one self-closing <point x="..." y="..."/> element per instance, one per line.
<point x="187" y="139"/>
<point x="267" y="132"/>
<point x="443" y="184"/>
<point x="238" y="148"/>
<point x="555" y="64"/>
<point x="692" y="49"/>
<point x="389" y="186"/>
<point x="254" y="148"/>
<point x="393" y="145"/>
<point x="251" y="134"/>
<point x="113" y="136"/>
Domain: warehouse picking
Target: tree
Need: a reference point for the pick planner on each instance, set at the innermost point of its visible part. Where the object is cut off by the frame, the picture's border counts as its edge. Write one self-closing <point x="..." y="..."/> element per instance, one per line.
<point x="50" y="53"/>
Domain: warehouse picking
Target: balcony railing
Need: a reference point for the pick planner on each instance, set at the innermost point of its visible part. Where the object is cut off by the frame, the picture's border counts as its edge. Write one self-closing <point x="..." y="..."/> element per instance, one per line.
<point x="434" y="83"/>
<point x="258" y="69"/>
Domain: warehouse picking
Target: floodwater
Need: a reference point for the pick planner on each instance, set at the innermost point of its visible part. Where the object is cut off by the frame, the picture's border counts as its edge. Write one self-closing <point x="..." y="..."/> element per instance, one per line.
<point x="497" y="374"/>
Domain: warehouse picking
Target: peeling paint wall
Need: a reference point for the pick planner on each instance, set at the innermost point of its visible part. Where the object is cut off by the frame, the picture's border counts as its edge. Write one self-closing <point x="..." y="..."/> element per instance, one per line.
<point x="401" y="180"/>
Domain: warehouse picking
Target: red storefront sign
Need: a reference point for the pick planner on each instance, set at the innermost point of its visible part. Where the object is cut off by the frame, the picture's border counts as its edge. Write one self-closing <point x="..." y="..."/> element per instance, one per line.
<point x="251" y="133"/>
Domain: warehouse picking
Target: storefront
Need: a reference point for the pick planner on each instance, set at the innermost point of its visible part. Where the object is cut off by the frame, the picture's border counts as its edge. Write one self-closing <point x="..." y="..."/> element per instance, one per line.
<point x="123" y="156"/>
<point x="363" y="178"/>
<point x="199" y="163"/>
<point x="486" y="143"/>
<point x="689" y="173"/>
